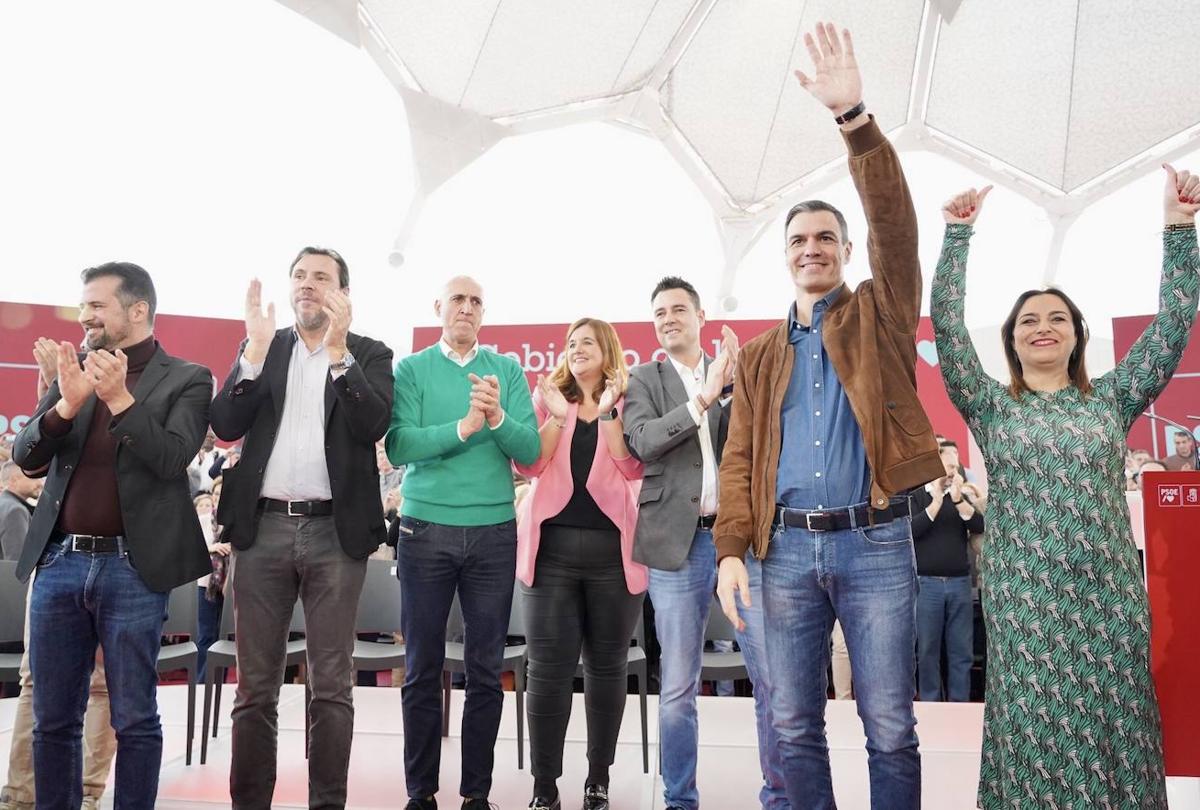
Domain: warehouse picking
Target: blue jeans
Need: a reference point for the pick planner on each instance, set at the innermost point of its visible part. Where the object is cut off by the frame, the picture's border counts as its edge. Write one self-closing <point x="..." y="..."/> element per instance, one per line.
<point x="78" y="601"/>
<point x="208" y="628"/>
<point x="682" y="600"/>
<point x="433" y="561"/>
<point x="866" y="578"/>
<point x="944" y="609"/>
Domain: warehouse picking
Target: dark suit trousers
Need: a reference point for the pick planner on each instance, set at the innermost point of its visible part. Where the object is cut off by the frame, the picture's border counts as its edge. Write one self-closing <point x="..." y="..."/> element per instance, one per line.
<point x="293" y="556"/>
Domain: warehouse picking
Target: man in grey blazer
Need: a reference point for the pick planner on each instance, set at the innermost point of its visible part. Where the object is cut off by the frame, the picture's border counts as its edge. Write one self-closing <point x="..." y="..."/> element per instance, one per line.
<point x="676" y="417"/>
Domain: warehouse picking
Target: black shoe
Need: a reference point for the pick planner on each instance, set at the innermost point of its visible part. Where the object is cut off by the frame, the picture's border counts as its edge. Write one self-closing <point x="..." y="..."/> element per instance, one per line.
<point x="478" y="803"/>
<point x="421" y="804"/>
<point x="595" y="797"/>
<point x="538" y="803"/>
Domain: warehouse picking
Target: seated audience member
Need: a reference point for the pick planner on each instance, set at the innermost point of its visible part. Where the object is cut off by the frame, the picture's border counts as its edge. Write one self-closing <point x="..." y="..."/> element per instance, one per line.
<point x="1184" y="457"/>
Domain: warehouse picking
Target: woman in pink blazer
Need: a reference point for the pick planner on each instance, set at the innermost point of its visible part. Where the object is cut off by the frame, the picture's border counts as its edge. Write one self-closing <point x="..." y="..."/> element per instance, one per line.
<point x="582" y="590"/>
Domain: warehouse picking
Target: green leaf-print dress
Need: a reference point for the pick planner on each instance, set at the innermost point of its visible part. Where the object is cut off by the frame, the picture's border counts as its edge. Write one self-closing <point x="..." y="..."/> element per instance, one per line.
<point x="1071" y="719"/>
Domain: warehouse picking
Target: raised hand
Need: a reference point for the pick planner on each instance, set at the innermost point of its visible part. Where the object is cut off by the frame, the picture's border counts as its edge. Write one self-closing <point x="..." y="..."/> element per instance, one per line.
<point x="1181" y="198"/>
<point x="106" y="371"/>
<point x="964" y="208"/>
<point x="610" y="396"/>
<point x="552" y="398"/>
<point x="73" y="385"/>
<point x="260" y="326"/>
<point x="337" y="309"/>
<point x="835" y="82"/>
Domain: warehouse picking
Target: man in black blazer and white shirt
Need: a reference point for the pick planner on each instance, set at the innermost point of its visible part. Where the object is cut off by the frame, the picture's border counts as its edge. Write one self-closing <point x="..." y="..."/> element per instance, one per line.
<point x="113" y="532"/>
<point x="302" y="511"/>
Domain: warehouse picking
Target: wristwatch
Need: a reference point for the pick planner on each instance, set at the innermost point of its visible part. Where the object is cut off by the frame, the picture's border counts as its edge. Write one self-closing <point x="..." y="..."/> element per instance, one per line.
<point x="344" y="365"/>
<point x="608" y="417"/>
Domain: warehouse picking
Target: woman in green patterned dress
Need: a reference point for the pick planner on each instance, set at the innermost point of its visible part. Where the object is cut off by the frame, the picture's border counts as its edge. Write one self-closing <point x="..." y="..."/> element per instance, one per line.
<point x="1071" y="719"/>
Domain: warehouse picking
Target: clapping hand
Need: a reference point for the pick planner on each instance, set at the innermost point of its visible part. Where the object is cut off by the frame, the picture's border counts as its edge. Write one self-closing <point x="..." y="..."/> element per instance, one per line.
<point x="730" y="347"/>
<point x="836" y="81"/>
<point x="1181" y="199"/>
<point x="337" y="309"/>
<point x="106" y="372"/>
<point x="260" y="325"/>
<point x="610" y="396"/>
<point x="45" y="352"/>
<point x="485" y="395"/>
<point x="556" y="404"/>
<point x="72" y="384"/>
<point x="964" y="208"/>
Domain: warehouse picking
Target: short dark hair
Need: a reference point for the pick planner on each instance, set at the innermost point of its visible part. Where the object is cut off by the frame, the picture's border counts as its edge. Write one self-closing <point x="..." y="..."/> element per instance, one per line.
<point x="343" y="270"/>
<point x="676" y="283"/>
<point x="811" y="206"/>
<point x="136" y="284"/>
<point x="1076" y="368"/>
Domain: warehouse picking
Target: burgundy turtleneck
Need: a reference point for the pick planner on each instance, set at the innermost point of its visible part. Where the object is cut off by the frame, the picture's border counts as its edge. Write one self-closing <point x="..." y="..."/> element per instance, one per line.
<point x="91" y="504"/>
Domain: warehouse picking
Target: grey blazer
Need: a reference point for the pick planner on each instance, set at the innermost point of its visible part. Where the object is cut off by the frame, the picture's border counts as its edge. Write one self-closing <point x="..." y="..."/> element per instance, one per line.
<point x="662" y="434"/>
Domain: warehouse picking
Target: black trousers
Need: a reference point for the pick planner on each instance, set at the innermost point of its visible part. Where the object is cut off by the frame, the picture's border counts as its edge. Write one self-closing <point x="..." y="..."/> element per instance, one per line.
<point x="579" y="603"/>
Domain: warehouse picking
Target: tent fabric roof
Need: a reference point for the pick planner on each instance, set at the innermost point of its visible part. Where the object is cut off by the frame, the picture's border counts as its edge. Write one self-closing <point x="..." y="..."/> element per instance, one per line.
<point x="1024" y="92"/>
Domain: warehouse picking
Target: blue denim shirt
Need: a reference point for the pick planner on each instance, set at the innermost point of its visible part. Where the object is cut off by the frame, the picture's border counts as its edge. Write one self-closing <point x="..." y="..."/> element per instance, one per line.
<point x="822" y="458"/>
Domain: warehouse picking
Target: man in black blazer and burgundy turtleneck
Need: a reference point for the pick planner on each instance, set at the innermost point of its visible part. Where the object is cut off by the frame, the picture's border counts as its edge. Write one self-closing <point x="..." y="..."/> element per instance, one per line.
<point x="302" y="511"/>
<point x="114" y="531"/>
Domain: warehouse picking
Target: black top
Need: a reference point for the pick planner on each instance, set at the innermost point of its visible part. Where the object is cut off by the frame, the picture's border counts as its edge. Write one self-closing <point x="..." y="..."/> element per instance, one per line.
<point x="581" y="511"/>
<point x="941" y="543"/>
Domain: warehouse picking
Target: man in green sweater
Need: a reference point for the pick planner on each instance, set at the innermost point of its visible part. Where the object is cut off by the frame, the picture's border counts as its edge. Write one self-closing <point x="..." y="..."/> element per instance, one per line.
<point x="461" y="415"/>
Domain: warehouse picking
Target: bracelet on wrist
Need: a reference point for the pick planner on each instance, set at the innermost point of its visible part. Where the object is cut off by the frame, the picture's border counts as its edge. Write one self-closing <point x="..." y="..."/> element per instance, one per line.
<point x="1180" y="226"/>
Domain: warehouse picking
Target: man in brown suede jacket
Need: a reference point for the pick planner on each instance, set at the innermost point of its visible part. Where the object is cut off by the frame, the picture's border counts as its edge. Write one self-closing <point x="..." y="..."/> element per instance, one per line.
<point x="825" y="437"/>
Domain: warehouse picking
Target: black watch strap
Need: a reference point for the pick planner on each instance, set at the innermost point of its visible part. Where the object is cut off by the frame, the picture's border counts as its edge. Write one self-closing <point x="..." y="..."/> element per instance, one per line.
<point x="852" y="113"/>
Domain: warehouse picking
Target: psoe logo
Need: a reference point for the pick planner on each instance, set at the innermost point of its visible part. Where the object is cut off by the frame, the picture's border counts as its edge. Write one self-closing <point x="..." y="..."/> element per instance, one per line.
<point x="1170" y="495"/>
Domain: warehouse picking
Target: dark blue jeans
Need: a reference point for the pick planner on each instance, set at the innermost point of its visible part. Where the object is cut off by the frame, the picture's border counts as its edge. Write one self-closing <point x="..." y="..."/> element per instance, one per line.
<point x="867" y="578"/>
<point x="208" y="627"/>
<point x="944" y="610"/>
<point x="433" y="561"/>
<point x="80" y="600"/>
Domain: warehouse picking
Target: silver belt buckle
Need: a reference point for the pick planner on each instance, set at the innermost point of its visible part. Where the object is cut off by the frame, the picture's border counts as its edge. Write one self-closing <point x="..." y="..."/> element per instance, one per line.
<point x="808" y="520"/>
<point x="291" y="513"/>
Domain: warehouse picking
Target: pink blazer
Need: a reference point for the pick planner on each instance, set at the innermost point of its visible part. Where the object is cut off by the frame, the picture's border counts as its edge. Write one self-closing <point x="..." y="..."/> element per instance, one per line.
<point x="612" y="483"/>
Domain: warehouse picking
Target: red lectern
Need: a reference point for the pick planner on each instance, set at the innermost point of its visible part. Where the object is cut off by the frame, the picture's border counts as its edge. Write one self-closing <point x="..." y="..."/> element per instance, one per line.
<point x="1172" y="515"/>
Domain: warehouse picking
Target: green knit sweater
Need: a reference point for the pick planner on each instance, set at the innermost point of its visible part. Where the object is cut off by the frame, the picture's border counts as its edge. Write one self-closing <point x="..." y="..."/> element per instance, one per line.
<point x="447" y="480"/>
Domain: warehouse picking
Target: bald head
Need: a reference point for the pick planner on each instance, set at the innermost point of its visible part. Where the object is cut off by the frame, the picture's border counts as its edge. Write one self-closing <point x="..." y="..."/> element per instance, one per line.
<point x="13" y="479"/>
<point x="460" y="308"/>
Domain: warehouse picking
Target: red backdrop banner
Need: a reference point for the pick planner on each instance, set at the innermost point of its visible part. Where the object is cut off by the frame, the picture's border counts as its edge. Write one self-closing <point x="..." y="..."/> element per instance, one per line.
<point x="538" y="348"/>
<point x="1172" y="514"/>
<point x="1179" y="402"/>
<point x="208" y="341"/>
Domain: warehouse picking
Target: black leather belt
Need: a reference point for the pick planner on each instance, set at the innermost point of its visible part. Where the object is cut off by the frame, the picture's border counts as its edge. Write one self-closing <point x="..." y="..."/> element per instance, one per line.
<point x="93" y="543"/>
<point x="297" y="508"/>
<point x="706" y="522"/>
<point x="827" y="520"/>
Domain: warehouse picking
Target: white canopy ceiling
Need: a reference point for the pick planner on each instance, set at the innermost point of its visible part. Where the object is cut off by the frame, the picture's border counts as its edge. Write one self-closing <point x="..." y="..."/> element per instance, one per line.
<point x="1022" y="91"/>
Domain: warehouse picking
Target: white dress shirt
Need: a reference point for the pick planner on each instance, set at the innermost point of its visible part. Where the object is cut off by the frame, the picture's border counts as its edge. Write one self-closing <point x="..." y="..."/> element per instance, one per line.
<point x="693" y="383"/>
<point x="296" y="470"/>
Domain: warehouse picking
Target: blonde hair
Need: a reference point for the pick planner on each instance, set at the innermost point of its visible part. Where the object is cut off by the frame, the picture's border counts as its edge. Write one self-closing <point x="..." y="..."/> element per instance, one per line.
<point x="612" y="362"/>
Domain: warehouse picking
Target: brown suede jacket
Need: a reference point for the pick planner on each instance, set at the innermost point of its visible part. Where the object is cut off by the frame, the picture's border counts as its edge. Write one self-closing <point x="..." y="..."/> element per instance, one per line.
<point x="870" y="335"/>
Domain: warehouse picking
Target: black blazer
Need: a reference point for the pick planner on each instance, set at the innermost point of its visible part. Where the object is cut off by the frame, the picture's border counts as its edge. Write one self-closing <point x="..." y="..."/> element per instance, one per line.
<point x="358" y="406"/>
<point x="156" y="440"/>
